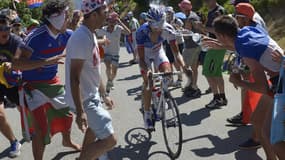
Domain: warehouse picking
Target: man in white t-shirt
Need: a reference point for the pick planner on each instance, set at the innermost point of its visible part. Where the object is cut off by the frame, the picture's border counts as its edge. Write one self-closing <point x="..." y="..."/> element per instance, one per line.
<point x="113" y="32"/>
<point x="84" y="86"/>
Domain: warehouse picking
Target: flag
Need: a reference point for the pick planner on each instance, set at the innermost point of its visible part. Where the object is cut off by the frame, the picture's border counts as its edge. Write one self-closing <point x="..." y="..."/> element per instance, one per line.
<point x="44" y="103"/>
<point x="31" y="3"/>
<point x="34" y="3"/>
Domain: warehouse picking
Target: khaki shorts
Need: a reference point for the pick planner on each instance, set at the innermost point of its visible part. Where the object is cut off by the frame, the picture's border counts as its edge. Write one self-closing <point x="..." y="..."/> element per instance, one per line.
<point x="191" y="55"/>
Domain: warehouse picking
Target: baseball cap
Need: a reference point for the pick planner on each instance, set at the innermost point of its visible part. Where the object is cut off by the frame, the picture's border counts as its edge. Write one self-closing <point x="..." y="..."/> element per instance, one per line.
<point x="89" y="6"/>
<point x="185" y="4"/>
<point x="235" y="2"/>
<point x="245" y="9"/>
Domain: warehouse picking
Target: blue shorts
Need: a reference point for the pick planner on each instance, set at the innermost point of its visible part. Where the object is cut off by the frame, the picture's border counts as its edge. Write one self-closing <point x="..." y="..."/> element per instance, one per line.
<point x="99" y="119"/>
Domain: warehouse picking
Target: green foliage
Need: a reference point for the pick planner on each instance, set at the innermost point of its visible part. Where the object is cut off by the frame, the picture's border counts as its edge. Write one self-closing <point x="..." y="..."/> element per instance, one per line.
<point x="23" y="11"/>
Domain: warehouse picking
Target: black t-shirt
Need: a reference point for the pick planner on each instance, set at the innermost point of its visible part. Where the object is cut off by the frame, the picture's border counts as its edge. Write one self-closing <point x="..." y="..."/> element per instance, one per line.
<point x="8" y="50"/>
<point x="219" y="10"/>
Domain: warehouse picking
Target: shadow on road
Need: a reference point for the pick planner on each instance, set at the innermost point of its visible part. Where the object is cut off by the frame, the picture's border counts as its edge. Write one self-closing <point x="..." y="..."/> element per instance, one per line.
<point x="124" y="65"/>
<point x="135" y="92"/>
<point x="132" y="77"/>
<point x="195" y="117"/>
<point x="5" y="153"/>
<point x="138" y="145"/>
<point x="161" y="154"/>
<point x="226" y="145"/>
<point x="60" y="155"/>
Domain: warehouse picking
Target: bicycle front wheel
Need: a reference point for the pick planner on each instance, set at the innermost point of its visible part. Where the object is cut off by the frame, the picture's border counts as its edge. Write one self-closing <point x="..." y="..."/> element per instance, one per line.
<point x="171" y="127"/>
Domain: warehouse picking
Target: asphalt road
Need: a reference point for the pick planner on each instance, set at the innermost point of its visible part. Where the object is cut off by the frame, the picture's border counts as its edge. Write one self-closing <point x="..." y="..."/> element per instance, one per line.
<point x="206" y="135"/>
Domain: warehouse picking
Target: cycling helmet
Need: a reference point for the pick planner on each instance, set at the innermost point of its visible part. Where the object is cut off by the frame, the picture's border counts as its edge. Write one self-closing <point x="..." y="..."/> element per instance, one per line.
<point x="143" y="15"/>
<point x="130" y="14"/>
<point x="156" y="17"/>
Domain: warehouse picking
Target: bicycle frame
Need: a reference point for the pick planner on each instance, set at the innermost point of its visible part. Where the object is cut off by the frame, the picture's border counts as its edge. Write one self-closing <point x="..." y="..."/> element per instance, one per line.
<point x="163" y="89"/>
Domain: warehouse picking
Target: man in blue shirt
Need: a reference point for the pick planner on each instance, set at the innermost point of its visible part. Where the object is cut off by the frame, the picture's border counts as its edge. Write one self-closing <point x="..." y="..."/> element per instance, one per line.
<point x="255" y="48"/>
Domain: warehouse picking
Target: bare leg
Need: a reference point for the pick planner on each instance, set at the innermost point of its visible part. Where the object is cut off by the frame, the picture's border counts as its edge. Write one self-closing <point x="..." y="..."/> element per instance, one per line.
<point x="258" y="120"/>
<point x="213" y="85"/>
<point x="108" y="70"/>
<point x="94" y="149"/>
<point x="219" y="81"/>
<point x="195" y="75"/>
<point x="67" y="142"/>
<point x="37" y="142"/>
<point x="4" y="125"/>
<point x="114" y="72"/>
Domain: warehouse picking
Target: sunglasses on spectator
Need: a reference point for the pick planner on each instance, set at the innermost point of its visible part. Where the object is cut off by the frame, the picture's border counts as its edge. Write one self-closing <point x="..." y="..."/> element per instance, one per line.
<point x="4" y="28"/>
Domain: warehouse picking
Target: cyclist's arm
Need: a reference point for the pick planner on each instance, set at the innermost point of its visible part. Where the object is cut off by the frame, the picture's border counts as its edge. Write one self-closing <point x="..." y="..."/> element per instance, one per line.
<point x="142" y="63"/>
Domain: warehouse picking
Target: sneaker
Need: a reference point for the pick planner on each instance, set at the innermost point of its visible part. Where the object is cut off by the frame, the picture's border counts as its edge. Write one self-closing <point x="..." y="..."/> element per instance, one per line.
<point x="196" y="93"/>
<point x="188" y="89"/>
<point x="209" y="90"/>
<point x="148" y="123"/>
<point x="15" y="149"/>
<point x="250" y="144"/>
<point x="224" y="102"/>
<point x="236" y="120"/>
<point x="215" y="103"/>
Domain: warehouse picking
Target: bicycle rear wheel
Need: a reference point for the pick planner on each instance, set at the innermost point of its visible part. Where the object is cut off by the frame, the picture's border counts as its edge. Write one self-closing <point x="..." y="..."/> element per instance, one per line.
<point x="171" y="127"/>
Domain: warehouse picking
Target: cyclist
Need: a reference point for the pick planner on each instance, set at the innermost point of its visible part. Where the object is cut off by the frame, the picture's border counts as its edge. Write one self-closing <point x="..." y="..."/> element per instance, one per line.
<point x="150" y="37"/>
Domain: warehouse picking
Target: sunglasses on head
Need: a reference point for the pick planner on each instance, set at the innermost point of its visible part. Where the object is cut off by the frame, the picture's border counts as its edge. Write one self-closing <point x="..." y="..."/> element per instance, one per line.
<point x="5" y="28"/>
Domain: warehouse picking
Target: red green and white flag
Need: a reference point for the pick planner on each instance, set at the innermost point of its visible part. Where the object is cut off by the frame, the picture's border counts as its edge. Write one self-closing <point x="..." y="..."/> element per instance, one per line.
<point x="44" y="103"/>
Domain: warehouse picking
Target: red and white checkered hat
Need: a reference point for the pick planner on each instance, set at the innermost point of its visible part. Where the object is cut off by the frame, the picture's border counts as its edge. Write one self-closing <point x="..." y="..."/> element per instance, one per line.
<point x="88" y="6"/>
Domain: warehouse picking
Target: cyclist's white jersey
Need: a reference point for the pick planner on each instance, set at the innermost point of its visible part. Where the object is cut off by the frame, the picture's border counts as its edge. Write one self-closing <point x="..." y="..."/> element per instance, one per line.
<point x="155" y="51"/>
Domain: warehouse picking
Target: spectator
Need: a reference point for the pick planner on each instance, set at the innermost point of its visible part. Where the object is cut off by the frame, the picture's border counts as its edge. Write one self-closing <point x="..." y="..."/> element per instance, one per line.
<point x="9" y="43"/>
<point x="133" y="26"/>
<point x="17" y="28"/>
<point x="113" y="31"/>
<point x="214" y="59"/>
<point x="255" y="47"/>
<point x="84" y="87"/>
<point x="48" y="43"/>
<point x="178" y="25"/>
<point x="191" y="56"/>
<point x="76" y="20"/>
<point x="257" y="19"/>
